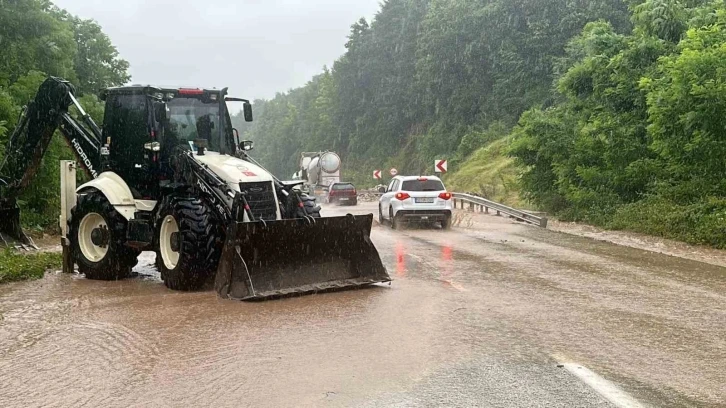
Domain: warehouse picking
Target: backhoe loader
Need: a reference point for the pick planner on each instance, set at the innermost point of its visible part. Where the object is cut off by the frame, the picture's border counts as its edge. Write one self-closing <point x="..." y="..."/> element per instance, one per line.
<point x="168" y="174"/>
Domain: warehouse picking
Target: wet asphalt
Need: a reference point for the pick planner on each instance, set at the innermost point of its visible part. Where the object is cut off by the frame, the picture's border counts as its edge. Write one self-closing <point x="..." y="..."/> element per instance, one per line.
<point x="481" y="315"/>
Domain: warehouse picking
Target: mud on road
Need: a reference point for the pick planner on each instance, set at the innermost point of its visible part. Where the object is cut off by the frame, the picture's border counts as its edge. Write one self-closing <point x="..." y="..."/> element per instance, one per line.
<point x="474" y="317"/>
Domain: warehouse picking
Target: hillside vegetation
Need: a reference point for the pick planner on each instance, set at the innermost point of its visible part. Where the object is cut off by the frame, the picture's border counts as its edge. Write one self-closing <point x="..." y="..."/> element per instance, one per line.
<point x="607" y="112"/>
<point x="426" y="79"/>
<point x="491" y="173"/>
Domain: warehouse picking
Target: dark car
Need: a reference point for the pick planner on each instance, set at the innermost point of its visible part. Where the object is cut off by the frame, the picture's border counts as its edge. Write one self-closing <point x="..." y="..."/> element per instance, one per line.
<point x="342" y="193"/>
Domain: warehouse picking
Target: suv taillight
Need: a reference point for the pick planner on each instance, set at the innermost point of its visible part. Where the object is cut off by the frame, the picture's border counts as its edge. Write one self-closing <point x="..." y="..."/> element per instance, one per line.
<point x="402" y="196"/>
<point x="445" y="196"/>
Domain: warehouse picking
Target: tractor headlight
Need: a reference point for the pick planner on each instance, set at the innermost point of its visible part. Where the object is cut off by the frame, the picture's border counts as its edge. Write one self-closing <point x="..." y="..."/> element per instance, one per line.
<point x="153" y="146"/>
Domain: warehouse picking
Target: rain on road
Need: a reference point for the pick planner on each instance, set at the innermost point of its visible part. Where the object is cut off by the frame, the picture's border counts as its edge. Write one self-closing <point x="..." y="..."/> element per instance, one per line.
<point x="474" y="317"/>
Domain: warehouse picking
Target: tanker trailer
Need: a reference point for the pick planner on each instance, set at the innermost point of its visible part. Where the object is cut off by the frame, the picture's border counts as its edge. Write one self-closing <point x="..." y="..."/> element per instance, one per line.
<point x="319" y="170"/>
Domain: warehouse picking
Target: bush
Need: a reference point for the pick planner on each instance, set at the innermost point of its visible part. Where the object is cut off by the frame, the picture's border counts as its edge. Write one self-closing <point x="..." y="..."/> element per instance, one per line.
<point x="18" y="267"/>
<point x="697" y="223"/>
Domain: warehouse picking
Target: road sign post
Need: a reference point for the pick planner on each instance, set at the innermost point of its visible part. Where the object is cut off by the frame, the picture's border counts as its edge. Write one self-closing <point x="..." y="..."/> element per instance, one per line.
<point x="440" y="166"/>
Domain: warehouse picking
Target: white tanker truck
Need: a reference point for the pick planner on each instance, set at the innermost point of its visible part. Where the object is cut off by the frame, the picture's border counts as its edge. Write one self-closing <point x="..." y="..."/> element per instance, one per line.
<point x="318" y="170"/>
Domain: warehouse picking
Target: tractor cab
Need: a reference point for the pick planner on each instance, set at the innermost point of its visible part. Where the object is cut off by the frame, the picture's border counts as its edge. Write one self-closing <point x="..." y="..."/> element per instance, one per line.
<point x="143" y="125"/>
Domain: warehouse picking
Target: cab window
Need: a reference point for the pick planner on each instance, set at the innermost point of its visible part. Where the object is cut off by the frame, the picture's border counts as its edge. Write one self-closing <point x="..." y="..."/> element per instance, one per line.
<point x="191" y="119"/>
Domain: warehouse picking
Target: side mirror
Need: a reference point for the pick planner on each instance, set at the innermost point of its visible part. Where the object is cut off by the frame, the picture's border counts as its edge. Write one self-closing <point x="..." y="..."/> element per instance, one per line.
<point x="382" y="190"/>
<point x="246" y="145"/>
<point x="247" y="108"/>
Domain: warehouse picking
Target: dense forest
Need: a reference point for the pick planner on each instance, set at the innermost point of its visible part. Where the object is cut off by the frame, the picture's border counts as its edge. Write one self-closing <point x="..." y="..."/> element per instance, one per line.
<point x="38" y="39"/>
<point x="426" y="79"/>
<point x="604" y="111"/>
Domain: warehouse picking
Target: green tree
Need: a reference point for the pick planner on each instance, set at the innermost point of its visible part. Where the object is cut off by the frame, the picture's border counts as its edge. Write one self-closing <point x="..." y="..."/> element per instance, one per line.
<point x="32" y="38"/>
<point x="686" y="105"/>
<point x="97" y="63"/>
<point x="38" y="40"/>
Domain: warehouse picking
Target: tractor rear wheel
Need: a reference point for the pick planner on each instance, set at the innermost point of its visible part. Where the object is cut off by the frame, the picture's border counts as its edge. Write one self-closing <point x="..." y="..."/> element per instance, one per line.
<point x="188" y="250"/>
<point x="97" y="234"/>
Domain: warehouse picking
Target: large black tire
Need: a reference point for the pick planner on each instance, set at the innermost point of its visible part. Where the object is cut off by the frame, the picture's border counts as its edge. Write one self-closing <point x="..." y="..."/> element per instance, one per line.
<point x="192" y="259"/>
<point x="395" y="220"/>
<point x="446" y="223"/>
<point x="107" y="258"/>
<point x="311" y="207"/>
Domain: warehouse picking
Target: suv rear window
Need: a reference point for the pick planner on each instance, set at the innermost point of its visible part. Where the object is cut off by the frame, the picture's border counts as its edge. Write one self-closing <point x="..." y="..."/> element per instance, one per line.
<point x="421" y="185"/>
<point x="343" y="187"/>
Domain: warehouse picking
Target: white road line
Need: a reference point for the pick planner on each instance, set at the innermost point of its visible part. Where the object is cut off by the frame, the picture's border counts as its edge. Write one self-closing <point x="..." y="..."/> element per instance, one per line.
<point x="608" y="390"/>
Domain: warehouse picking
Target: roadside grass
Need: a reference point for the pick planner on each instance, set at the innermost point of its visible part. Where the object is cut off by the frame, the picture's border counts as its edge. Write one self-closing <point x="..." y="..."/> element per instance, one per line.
<point x="490" y="172"/>
<point x="19" y="267"/>
<point x="700" y="223"/>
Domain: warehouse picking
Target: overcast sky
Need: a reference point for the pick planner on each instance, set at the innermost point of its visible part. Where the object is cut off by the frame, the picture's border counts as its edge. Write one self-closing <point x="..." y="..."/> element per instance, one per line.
<point x="255" y="47"/>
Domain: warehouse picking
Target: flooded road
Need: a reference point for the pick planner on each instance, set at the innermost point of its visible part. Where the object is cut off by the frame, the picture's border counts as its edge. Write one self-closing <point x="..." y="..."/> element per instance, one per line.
<point x="475" y="317"/>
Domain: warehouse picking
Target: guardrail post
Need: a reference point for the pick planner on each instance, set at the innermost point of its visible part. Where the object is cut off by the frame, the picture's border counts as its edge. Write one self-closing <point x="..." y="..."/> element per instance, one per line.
<point x="498" y="214"/>
<point x="471" y="207"/>
<point x="543" y="222"/>
<point x="486" y="210"/>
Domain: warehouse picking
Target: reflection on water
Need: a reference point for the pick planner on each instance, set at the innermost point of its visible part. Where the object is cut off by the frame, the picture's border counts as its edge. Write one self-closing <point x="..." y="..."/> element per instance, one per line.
<point x="400" y="259"/>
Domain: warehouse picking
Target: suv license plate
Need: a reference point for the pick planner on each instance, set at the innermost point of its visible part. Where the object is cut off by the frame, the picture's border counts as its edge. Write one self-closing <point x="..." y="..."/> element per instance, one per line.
<point x="426" y="200"/>
<point x="343" y="199"/>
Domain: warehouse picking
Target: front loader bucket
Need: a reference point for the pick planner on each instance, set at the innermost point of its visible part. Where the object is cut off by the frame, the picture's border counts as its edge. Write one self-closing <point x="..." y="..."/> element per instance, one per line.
<point x="278" y="258"/>
<point x="10" y="230"/>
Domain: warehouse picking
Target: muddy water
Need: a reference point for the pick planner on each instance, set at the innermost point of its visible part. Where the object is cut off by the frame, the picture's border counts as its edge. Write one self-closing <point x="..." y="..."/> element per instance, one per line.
<point x="474" y="317"/>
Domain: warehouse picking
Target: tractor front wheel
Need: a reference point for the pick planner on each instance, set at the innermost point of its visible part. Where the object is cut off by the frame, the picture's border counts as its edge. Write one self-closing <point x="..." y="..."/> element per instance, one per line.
<point x="311" y="208"/>
<point x="188" y="249"/>
<point x="97" y="234"/>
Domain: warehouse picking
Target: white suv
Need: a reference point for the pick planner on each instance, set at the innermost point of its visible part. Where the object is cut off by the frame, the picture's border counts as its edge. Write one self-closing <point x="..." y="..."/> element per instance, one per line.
<point x="415" y="198"/>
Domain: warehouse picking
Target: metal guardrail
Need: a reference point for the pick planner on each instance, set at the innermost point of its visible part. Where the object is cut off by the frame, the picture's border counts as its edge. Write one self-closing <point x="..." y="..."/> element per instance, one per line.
<point x="485" y="205"/>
